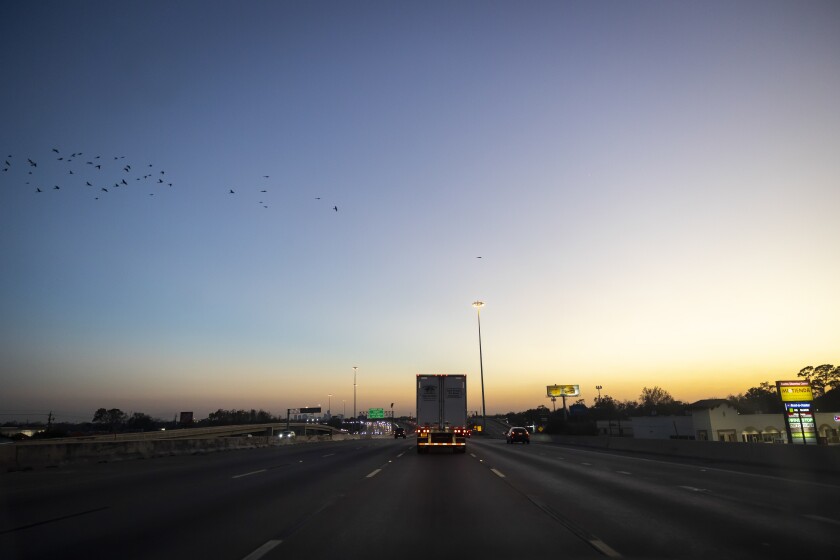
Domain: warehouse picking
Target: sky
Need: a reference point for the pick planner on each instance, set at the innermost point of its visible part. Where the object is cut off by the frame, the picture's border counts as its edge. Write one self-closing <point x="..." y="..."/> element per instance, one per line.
<point x="643" y="194"/>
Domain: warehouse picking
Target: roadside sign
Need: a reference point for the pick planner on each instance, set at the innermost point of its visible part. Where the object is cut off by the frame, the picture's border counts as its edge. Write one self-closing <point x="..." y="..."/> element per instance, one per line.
<point x="794" y="391"/>
<point x="375" y="413"/>
<point x="310" y="410"/>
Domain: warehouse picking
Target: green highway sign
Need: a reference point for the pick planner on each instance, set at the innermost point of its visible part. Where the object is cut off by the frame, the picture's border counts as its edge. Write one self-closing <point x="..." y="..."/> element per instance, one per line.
<point x="376" y="413"/>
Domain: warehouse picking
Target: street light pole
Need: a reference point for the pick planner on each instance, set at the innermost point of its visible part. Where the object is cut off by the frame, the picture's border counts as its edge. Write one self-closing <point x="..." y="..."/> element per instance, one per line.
<point x="329" y="405"/>
<point x="478" y="305"/>
<point x="599" y="387"/>
<point x="354" y="392"/>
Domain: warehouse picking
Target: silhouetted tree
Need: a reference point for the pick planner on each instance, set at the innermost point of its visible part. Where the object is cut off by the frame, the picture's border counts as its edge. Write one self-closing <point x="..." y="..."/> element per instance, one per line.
<point x="822" y="378"/>
<point x="758" y="400"/>
<point x="113" y="417"/>
<point x="142" y="422"/>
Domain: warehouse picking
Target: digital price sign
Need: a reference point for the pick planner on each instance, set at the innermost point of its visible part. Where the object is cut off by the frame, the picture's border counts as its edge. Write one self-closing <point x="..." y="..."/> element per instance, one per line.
<point x="799" y="418"/>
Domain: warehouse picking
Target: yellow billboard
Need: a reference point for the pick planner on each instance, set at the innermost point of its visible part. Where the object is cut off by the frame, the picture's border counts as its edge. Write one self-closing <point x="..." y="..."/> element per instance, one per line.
<point x="562" y="391"/>
<point x="795" y="391"/>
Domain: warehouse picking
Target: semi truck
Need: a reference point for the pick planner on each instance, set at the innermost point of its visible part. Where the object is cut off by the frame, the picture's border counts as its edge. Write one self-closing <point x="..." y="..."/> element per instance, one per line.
<point x="442" y="412"/>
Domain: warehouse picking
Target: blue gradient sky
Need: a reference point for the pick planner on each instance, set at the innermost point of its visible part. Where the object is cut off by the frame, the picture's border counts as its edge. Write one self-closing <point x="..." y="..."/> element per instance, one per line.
<point x="653" y="188"/>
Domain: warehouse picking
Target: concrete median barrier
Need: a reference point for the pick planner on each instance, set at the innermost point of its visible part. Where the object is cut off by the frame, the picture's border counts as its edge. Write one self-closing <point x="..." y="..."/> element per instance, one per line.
<point x="42" y="454"/>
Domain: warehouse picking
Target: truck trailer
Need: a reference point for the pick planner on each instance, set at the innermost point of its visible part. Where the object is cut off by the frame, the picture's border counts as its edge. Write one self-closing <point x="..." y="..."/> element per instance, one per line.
<point x="442" y="412"/>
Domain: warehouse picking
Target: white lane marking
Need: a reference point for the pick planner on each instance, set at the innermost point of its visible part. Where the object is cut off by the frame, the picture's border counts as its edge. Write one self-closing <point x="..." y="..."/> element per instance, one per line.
<point x="604" y="548"/>
<point x="373" y="473"/>
<point x="623" y="472"/>
<point x="401" y="454"/>
<point x="823" y="519"/>
<point x="472" y="455"/>
<point x="249" y="473"/>
<point x="587" y="464"/>
<point x="693" y="489"/>
<point x="262" y="551"/>
<point x="328" y="455"/>
<point x="497" y="473"/>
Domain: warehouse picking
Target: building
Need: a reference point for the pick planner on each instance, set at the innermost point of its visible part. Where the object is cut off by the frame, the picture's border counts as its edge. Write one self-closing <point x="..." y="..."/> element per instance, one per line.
<point x="718" y="420"/>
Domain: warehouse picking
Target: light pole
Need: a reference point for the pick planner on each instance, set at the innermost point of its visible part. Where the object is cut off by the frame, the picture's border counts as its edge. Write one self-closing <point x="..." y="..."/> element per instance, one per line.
<point x="354" y="392"/>
<point x="478" y="305"/>
<point x="345" y="409"/>
<point x="599" y="387"/>
<point x="329" y="405"/>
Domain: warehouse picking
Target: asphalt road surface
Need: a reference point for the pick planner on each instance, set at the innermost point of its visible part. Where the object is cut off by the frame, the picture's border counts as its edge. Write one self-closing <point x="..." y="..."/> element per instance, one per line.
<point x="379" y="498"/>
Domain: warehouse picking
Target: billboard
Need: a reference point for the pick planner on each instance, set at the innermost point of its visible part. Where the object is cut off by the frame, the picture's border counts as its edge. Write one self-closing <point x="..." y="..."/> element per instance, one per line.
<point x="562" y="391"/>
<point x="795" y="391"/>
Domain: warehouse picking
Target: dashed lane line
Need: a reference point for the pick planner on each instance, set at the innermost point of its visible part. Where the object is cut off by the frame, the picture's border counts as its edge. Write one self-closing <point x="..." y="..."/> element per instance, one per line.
<point x="578" y="531"/>
<point x="497" y="473"/>
<point x="373" y="473"/>
<point x="822" y="519"/>
<point x="263" y="550"/>
<point x="249" y="473"/>
<point x="623" y="472"/>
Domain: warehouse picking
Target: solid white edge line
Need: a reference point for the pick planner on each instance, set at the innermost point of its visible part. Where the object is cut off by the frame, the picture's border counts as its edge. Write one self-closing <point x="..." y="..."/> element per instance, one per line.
<point x="249" y="473"/>
<point x="263" y="550"/>
<point x="373" y="473"/>
<point x="623" y="472"/>
<point x="497" y="473"/>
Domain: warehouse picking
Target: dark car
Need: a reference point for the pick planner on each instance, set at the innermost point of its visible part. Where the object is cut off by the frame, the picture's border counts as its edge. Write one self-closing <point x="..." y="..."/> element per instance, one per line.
<point x="399" y="432"/>
<point x="518" y="434"/>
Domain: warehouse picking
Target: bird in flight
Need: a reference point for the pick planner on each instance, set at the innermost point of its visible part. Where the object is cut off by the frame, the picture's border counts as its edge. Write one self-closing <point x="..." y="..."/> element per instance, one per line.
<point x="335" y="208"/>
<point x="38" y="190"/>
<point x="265" y="176"/>
<point x="55" y="150"/>
<point x="263" y="191"/>
<point x="104" y="189"/>
<point x="231" y="191"/>
<point x="32" y="163"/>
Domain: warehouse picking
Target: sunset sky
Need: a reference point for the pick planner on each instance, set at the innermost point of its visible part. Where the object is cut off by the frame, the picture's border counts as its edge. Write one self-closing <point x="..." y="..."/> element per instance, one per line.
<point x="653" y="189"/>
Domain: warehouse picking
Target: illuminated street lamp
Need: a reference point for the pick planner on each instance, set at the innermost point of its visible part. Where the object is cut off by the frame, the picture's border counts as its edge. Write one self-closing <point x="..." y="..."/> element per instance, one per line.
<point x="599" y="387"/>
<point x="478" y="305"/>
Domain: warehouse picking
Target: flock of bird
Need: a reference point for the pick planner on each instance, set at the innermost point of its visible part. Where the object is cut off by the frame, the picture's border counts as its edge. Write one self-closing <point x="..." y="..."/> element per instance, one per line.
<point x="98" y="175"/>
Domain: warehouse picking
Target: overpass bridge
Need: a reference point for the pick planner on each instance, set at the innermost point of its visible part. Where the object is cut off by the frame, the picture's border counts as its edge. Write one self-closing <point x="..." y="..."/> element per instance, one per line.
<point x="208" y="432"/>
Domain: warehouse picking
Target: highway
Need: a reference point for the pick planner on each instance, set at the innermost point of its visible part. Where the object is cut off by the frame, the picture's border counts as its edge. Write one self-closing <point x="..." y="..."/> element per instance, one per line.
<point x="362" y="498"/>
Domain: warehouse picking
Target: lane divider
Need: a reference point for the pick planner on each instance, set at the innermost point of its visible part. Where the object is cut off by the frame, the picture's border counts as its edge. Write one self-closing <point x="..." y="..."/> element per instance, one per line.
<point x="249" y="473"/>
<point x="263" y="550"/>
<point x="373" y="473"/>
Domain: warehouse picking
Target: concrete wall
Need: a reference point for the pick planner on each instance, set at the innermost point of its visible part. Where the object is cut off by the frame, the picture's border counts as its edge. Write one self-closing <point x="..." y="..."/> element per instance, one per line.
<point x="798" y="457"/>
